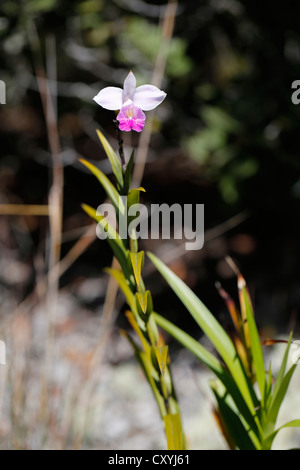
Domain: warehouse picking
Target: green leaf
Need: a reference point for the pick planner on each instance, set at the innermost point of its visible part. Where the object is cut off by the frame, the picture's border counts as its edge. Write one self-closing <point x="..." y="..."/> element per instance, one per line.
<point x="282" y="370"/>
<point x="132" y="199"/>
<point x="278" y="396"/>
<point x="211" y="327"/>
<point x="113" y="158"/>
<point x="233" y="423"/>
<point x="142" y="300"/>
<point x="162" y="357"/>
<point x="137" y="261"/>
<point x="152" y="330"/>
<point x="137" y="328"/>
<point x="255" y="343"/>
<point x="39" y="6"/>
<point x="173" y="431"/>
<point x="295" y="423"/>
<point x="190" y="343"/>
<point x="108" y="187"/>
<point x="269" y="384"/>
<point x="112" y="236"/>
<point x="144" y="304"/>
<point x="121" y="280"/>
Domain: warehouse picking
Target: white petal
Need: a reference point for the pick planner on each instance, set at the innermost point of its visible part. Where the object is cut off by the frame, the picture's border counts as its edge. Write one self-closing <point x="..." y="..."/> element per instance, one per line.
<point x="148" y="97"/>
<point x="129" y="87"/>
<point x="110" y="98"/>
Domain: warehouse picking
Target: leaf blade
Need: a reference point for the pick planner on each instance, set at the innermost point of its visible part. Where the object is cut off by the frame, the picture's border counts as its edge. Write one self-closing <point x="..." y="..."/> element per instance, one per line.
<point x="113" y="158"/>
<point x="210" y="326"/>
<point x="108" y="187"/>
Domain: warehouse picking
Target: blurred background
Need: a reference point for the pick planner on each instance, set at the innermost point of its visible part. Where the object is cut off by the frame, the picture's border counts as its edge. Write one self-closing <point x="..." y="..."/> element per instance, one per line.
<point x="226" y="136"/>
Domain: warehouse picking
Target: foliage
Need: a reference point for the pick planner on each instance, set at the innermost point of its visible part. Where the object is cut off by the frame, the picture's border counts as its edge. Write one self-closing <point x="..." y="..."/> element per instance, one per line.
<point x="151" y="352"/>
<point x="247" y="416"/>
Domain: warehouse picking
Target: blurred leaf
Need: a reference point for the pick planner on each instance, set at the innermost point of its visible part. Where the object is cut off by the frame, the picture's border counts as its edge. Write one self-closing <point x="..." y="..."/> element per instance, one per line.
<point x="109" y="188"/>
<point x="269" y="385"/>
<point x="149" y="43"/>
<point x="234" y="425"/>
<point x="39" y="6"/>
<point x="245" y="169"/>
<point x="90" y="6"/>
<point x="178" y="62"/>
<point x="295" y="423"/>
<point x="132" y="199"/>
<point x="121" y="280"/>
<point x="218" y="118"/>
<point x="282" y="370"/>
<point x="173" y="431"/>
<point x="228" y="188"/>
<point x="113" y="238"/>
<point x="113" y="158"/>
<point x="280" y="388"/>
<point x="202" y="143"/>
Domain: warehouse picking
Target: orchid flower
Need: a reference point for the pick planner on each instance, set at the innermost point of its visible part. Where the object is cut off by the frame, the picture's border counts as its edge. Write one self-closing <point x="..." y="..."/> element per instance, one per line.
<point x="131" y="102"/>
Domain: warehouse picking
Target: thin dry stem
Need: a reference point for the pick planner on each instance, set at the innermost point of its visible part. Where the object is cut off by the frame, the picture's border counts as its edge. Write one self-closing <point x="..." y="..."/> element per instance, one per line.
<point x="24" y="209"/>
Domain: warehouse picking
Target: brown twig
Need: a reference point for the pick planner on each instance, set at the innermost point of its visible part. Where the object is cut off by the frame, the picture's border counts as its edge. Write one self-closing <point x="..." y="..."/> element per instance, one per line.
<point x="55" y="200"/>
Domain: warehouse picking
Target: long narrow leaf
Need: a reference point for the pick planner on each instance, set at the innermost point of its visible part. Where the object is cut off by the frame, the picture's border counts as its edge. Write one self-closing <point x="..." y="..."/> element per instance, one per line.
<point x="234" y="425"/>
<point x="282" y="370"/>
<point x="112" y="236"/>
<point x="108" y="187"/>
<point x="173" y="431"/>
<point x="211" y="327"/>
<point x="113" y="158"/>
<point x="121" y="280"/>
<point x="295" y="423"/>
<point x="279" y="395"/>
<point x="190" y="343"/>
<point x="255" y="344"/>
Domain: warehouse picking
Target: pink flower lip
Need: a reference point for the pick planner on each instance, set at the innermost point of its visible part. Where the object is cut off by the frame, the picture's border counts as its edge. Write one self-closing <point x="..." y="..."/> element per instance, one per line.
<point x="130" y="118"/>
